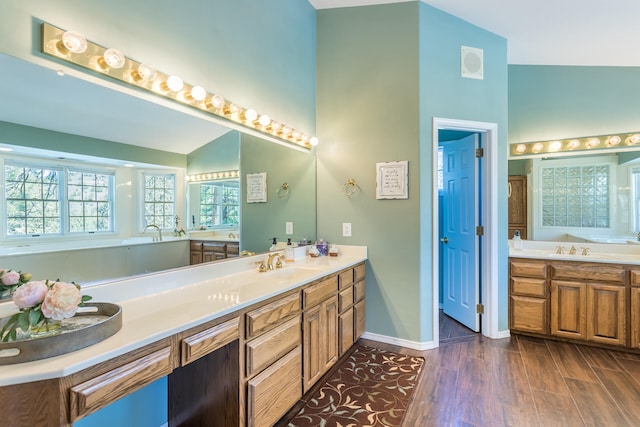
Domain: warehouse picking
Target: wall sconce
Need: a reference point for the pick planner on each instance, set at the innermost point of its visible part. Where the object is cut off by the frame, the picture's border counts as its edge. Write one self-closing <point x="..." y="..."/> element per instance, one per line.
<point x="282" y="191"/>
<point x="598" y="143"/>
<point x="350" y="187"/>
<point x="212" y="176"/>
<point x="74" y="48"/>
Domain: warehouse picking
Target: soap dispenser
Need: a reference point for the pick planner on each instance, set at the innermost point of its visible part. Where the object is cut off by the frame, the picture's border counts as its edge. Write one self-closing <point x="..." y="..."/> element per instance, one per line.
<point x="274" y="244"/>
<point x="517" y="241"/>
<point x="288" y="252"/>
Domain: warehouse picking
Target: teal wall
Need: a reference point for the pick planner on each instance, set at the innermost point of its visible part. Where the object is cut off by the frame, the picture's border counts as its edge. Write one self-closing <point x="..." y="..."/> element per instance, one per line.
<point x="221" y="154"/>
<point x="26" y="136"/>
<point x="263" y="221"/>
<point x="398" y="68"/>
<point x="554" y="102"/>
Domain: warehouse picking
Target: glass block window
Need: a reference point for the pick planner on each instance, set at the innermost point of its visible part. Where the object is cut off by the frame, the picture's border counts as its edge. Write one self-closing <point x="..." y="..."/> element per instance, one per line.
<point x="33" y="200"/>
<point x="160" y="200"/>
<point x="90" y="196"/>
<point x="575" y="196"/>
<point x="219" y="204"/>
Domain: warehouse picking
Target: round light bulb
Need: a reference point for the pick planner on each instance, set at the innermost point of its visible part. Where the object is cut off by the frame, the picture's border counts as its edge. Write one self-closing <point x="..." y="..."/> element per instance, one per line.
<point x="175" y="84"/>
<point x="286" y="131"/>
<point x="114" y="58"/>
<point x="217" y="101"/>
<point x="235" y="108"/>
<point x="593" y="142"/>
<point x="296" y="134"/>
<point x="555" y="146"/>
<point x="521" y="148"/>
<point x="264" y="120"/>
<point x="74" y="42"/>
<point x="147" y="73"/>
<point x="537" y="147"/>
<point x="250" y="115"/>
<point x="615" y="140"/>
<point x="275" y="126"/>
<point x="574" y="143"/>
<point x="198" y="93"/>
<point x="313" y="141"/>
<point x="635" y="138"/>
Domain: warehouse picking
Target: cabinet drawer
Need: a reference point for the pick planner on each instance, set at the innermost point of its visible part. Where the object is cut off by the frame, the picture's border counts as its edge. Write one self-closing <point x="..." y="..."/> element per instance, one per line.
<point x="530" y="287"/>
<point x="610" y="273"/>
<point x="635" y="278"/>
<point x="233" y="249"/>
<point x="197" y="345"/>
<point x="345" y="299"/>
<point x="358" y="272"/>
<point x="267" y="316"/>
<point x="345" y="278"/>
<point x="273" y="392"/>
<point x="317" y="293"/>
<point x="216" y="247"/>
<point x="102" y="390"/>
<point x="358" y="291"/>
<point x="269" y="347"/>
<point x="528" y="314"/>
<point x="528" y="268"/>
<point x="196" y="246"/>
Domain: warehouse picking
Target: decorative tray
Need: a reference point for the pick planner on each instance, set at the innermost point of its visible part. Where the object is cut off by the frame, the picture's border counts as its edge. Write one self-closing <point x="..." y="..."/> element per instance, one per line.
<point x="96" y="322"/>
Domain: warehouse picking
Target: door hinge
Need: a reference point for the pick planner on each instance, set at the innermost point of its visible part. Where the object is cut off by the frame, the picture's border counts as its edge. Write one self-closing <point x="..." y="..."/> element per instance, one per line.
<point x="479" y="152"/>
<point x="480" y="230"/>
<point x="480" y="308"/>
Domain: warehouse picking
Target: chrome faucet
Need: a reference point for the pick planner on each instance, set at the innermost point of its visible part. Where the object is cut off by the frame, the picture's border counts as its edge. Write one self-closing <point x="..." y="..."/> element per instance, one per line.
<point x="572" y="251"/>
<point x="272" y="256"/>
<point x="157" y="238"/>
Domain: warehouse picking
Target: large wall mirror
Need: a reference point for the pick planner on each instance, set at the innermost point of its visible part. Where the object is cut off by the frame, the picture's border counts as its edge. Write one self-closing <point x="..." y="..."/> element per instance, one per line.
<point x="580" y="197"/>
<point x="72" y="118"/>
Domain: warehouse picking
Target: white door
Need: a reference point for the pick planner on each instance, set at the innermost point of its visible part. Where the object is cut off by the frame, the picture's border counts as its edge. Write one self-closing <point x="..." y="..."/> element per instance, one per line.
<point x="459" y="242"/>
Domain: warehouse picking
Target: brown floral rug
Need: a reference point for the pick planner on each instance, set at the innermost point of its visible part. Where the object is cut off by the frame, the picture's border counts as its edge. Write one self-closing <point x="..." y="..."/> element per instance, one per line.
<point x="371" y="388"/>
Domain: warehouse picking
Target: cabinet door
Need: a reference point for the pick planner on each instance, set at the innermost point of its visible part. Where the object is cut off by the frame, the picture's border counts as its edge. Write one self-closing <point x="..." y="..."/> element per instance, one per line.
<point x="635" y="318"/>
<point x="518" y="204"/>
<point x="213" y="251"/>
<point x="346" y="328"/>
<point x="320" y="332"/>
<point x="196" y="253"/>
<point x="359" y="314"/>
<point x="330" y="332"/>
<point x="606" y="314"/>
<point x="569" y="309"/>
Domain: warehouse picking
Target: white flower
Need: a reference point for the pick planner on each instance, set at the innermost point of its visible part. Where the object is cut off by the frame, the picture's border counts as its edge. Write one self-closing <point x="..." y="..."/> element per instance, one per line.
<point x="61" y="302"/>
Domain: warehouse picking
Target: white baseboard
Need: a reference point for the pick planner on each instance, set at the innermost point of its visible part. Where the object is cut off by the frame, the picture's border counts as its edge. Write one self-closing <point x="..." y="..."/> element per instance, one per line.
<point x="414" y="345"/>
<point x="503" y="334"/>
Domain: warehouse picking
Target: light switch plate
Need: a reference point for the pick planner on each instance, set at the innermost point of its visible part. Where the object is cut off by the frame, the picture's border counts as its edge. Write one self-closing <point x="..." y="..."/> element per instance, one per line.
<point x="289" y="228"/>
<point x="346" y="229"/>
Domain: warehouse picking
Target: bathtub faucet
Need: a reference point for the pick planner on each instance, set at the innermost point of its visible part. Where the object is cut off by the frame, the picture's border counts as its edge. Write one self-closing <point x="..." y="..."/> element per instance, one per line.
<point x="157" y="238"/>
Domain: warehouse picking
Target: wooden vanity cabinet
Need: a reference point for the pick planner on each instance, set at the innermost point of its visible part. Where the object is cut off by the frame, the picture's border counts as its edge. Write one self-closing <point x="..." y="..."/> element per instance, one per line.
<point x="195" y="253"/>
<point x="351" y="307"/>
<point x="634" y="328"/>
<point x="517" y="205"/>
<point x="528" y="296"/>
<point x="212" y="250"/>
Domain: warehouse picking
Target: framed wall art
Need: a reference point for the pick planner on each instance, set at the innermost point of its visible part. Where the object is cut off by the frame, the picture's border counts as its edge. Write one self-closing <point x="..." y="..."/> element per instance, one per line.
<point x="392" y="180"/>
<point x="257" y="187"/>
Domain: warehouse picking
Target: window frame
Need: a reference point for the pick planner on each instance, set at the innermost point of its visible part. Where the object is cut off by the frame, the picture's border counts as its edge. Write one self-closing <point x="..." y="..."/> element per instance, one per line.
<point x="177" y="181"/>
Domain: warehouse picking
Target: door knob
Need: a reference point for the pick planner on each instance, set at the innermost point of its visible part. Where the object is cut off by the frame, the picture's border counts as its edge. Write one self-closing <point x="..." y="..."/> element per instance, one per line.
<point x="444" y="240"/>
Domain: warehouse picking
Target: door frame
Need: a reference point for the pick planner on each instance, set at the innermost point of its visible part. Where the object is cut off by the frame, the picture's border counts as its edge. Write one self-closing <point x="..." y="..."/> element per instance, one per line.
<point x="489" y="208"/>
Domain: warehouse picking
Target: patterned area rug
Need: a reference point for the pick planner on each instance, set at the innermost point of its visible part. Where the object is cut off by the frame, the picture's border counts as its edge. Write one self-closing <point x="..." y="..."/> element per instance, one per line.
<point x="372" y="388"/>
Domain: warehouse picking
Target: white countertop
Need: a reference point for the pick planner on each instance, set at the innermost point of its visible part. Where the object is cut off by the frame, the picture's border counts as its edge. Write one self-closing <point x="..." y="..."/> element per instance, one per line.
<point x="159" y="305"/>
<point x="604" y="253"/>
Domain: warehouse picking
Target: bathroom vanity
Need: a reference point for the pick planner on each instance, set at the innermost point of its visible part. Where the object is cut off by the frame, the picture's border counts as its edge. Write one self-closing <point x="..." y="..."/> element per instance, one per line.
<point x="239" y="347"/>
<point x="592" y="299"/>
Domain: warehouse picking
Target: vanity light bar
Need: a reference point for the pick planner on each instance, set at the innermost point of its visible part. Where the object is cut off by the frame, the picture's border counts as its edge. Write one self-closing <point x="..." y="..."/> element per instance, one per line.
<point x="213" y="175"/>
<point x="601" y="142"/>
<point x="73" y="47"/>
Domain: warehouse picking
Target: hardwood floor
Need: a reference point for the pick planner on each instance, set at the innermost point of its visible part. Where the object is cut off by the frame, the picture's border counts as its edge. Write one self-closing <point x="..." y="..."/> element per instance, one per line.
<point x="451" y="331"/>
<point x="523" y="381"/>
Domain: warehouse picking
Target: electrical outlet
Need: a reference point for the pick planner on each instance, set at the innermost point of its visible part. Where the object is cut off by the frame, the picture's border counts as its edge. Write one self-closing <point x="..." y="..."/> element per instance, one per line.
<point x="346" y="229"/>
<point x="289" y="228"/>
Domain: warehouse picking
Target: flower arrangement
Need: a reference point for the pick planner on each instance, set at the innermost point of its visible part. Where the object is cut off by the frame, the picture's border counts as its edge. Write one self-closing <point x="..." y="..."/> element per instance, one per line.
<point x="41" y="303"/>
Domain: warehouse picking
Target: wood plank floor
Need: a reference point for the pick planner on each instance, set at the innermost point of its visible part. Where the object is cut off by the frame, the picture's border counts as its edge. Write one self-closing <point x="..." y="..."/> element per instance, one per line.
<point x="523" y="381"/>
<point x="452" y="331"/>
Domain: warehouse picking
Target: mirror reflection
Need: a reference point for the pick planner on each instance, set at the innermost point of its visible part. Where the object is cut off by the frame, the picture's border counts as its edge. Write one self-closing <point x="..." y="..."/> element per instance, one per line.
<point x="89" y="124"/>
<point x="576" y="198"/>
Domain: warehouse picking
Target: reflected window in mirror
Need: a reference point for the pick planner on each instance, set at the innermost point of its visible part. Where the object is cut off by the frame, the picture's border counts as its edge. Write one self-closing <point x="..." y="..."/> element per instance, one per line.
<point x="159" y="199"/>
<point x="44" y="199"/>
<point x="635" y="206"/>
<point x="219" y="204"/>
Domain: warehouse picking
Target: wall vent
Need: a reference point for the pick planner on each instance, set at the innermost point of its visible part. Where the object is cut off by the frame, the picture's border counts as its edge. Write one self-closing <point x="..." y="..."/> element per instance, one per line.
<point x="472" y="62"/>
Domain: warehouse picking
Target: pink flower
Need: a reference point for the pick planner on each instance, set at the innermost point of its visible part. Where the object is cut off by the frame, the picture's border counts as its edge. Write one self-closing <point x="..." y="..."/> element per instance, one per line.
<point x="10" y="278"/>
<point x="61" y="302"/>
<point x="30" y="294"/>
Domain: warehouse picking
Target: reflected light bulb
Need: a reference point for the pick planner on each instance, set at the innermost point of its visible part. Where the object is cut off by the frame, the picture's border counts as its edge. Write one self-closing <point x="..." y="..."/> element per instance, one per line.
<point x="217" y="101"/>
<point x="74" y="42"/>
<point x="264" y="120"/>
<point x="635" y="138"/>
<point x="174" y="83"/>
<point x="574" y="143"/>
<point x="537" y="147"/>
<point x="593" y="142"/>
<point x="235" y="108"/>
<point x="615" y="140"/>
<point x="555" y="145"/>
<point x="198" y="93"/>
<point x="251" y="115"/>
<point x="313" y="141"/>
<point x="521" y="148"/>
<point x="147" y="73"/>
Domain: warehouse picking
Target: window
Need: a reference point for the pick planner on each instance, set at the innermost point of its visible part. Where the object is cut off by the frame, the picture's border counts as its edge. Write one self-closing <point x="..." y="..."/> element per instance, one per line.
<point x="159" y="200"/>
<point x="575" y="196"/>
<point x="219" y="204"/>
<point x="45" y="200"/>
<point x="90" y="206"/>
<point x="32" y="195"/>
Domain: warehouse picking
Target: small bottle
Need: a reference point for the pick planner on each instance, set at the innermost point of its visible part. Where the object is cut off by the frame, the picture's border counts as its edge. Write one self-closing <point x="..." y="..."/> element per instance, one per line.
<point x="517" y="242"/>
<point x="289" y="254"/>
<point x="274" y="244"/>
